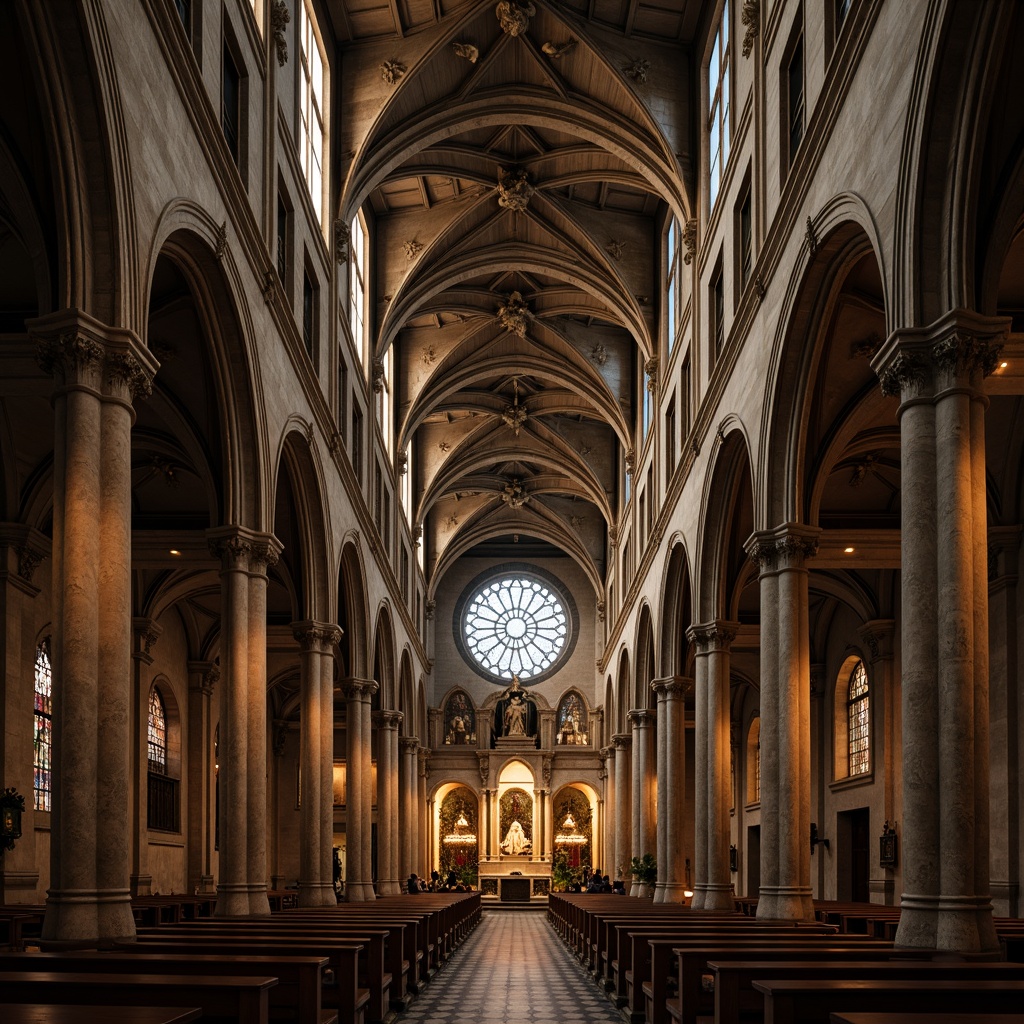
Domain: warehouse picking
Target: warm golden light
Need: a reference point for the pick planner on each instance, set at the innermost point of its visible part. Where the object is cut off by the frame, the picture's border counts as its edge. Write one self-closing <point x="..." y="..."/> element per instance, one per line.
<point x="848" y="551"/>
<point x="175" y="552"/>
<point x="1003" y="366"/>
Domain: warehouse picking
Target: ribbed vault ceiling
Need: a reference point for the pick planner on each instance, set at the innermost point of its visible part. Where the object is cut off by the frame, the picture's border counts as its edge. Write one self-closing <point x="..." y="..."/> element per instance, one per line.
<point x="516" y="162"/>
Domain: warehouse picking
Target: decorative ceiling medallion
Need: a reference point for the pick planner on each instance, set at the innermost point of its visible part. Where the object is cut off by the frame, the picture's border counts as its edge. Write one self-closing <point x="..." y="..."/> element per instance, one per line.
<point x="576" y="522"/>
<point x="599" y="354"/>
<point x="514" y="495"/>
<point x="391" y="71"/>
<point x="637" y="69"/>
<point x="412" y="248"/>
<point x="515" y="415"/>
<point x="514" y="188"/>
<point x="558" y="50"/>
<point x="615" y="249"/>
<point x="445" y="446"/>
<point x="513" y="314"/>
<point x="467" y="50"/>
<point x="514" y="17"/>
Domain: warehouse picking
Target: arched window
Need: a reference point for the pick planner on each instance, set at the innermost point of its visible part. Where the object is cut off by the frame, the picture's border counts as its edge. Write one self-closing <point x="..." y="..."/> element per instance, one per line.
<point x="858" y="719"/>
<point x="754" y="762"/>
<point x="312" y="113"/>
<point x="164" y="757"/>
<point x="42" y="748"/>
<point x="358" y="253"/>
<point x="157" y="733"/>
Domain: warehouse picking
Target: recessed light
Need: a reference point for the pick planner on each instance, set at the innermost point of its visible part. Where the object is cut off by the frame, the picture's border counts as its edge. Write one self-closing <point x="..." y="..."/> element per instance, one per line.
<point x="175" y="552"/>
<point x="1003" y="366"/>
<point x="848" y="551"/>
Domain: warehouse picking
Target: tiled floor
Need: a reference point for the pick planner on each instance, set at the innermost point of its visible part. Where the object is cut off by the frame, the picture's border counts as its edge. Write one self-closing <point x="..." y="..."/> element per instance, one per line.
<point x="511" y="970"/>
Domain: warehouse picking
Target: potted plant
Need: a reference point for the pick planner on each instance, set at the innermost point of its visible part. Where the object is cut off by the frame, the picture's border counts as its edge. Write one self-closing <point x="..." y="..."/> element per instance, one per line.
<point x="645" y="871"/>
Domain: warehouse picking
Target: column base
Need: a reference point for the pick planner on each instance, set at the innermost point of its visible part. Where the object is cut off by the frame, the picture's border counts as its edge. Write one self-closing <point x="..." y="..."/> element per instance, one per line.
<point x="699" y="896"/>
<point x="359" y="892"/>
<point x="785" y="903"/>
<point x="950" y="924"/>
<point x="240" y="899"/>
<point x="316" y="894"/>
<point x="719" y="897"/>
<point x="389" y="887"/>
<point x="88" y="917"/>
<point x="671" y="892"/>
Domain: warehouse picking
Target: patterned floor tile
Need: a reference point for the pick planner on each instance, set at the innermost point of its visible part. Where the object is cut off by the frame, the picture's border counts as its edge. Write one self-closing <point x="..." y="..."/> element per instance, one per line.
<point x="511" y="970"/>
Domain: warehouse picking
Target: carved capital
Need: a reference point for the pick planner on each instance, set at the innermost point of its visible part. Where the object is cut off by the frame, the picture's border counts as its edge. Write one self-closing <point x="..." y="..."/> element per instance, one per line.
<point x="408" y="744"/>
<point x="672" y="687"/>
<point x="279" y="18"/>
<point x="147" y="632"/>
<point x="622" y="740"/>
<point x="689" y="240"/>
<point x="316" y="636"/>
<point x="712" y="637"/>
<point x="352" y="689"/>
<point x="651" y="370"/>
<point x="750" y="17"/>
<point x="390" y="720"/>
<point x="877" y="636"/>
<point x="786" y="547"/>
<point x="28" y="561"/>
<point x="641" y="718"/>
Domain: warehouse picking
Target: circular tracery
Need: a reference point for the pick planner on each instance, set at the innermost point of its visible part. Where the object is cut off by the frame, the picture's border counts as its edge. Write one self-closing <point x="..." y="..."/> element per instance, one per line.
<point x="515" y="622"/>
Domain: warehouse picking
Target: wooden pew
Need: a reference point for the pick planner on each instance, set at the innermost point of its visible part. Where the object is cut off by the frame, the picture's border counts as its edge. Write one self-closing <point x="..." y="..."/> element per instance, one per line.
<point x="736" y="997"/>
<point x="694" y="1000"/>
<point x="812" y="1001"/>
<point x="927" y="1018"/>
<point x="298" y="992"/>
<point x="340" y="989"/>
<point x="34" y="1013"/>
<point x="342" y="993"/>
<point x="225" y="997"/>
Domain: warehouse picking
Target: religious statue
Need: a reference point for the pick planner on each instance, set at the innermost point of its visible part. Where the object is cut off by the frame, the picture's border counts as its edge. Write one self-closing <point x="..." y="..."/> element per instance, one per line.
<point x="515" y="713"/>
<point x="516" y="840"/>
<point x="515" y="717"/>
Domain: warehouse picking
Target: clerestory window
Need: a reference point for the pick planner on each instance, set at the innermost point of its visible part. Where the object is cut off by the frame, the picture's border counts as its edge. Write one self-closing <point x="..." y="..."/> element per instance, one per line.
<point x="42" y="746"/>
<point x="313" y="91"/>
<point x="718" y="107"/>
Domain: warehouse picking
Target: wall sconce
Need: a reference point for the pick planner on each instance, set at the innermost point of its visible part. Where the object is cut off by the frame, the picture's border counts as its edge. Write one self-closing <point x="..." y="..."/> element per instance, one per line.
<point x="887" y="845"/>
<point x="12" y="804"/>
<point x="732" y="858"/>
<point x="815" y="839"/>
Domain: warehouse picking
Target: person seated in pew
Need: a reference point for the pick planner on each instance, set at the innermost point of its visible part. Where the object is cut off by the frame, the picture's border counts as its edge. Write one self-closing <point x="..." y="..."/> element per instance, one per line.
<point x="413" y="885"/>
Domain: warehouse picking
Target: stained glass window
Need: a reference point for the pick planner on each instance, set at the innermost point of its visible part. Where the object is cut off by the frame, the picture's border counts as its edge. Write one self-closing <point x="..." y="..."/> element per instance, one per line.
<point x="42" y="753"/>
<point x="157" y="733"/>
<point x="858" y="711"/>
<point x="515" y="625"/>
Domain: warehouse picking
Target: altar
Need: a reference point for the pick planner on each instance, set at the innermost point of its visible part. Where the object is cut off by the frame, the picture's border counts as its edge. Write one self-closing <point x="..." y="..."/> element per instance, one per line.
<point x="499" y="885"/>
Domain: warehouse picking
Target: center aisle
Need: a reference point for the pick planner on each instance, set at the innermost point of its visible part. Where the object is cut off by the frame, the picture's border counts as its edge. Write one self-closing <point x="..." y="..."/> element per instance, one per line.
<point x="511" y="970"/>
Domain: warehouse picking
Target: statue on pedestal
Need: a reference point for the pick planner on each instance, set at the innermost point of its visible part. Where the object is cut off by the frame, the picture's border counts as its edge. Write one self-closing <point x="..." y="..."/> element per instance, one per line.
<point x="515" y="713"/>
<point x="516" y="840"/>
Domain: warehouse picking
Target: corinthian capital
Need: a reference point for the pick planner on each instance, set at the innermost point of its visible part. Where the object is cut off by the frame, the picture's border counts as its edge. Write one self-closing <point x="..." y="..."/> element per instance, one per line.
<point x="712" y="636"/>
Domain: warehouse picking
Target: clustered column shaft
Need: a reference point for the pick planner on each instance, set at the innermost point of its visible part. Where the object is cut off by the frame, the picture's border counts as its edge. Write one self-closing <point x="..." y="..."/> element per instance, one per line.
<point x="937" y="372"/>
<point x="358" y="781"/>
<point x="671" y="855"/>
<point x="97" y="372"/>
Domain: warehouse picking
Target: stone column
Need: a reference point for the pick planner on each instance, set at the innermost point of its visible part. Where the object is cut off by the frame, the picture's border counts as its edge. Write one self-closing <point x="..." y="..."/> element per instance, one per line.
<point x="785" y="721"/>
<point x="359" y="809"/>
<point x="316" y="763"/>
<point x="423" y="837"/>
<point x="145" y="633"/>
<point x="713" y="640"/>
<point x="331" y="638"/>
<point x="644" y="785"/>
<point x="409" y="807"/>
<point x="387" y="803"/>
<point x="98" y="372"/>
<point x="1005" y="716"/>
<point x="603" y="845"/>
<point x="21" y="550"/>
<point x="623" y="803"/>
<point x="244" y="555"/>
<point x="937" y="372"/>
<point x="202" y="679"/>
<point x="671" y="693"/>
<point x="700" y="775"/>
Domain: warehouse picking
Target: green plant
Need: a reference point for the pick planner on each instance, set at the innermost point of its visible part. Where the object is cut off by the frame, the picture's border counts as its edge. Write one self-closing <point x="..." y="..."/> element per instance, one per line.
<point x="644" y="869"/>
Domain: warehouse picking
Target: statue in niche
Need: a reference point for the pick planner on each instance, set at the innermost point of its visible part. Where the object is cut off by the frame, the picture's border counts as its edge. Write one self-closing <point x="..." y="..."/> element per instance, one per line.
<point x="460" y="721"/>
<point x="516" y="840"/>
<point x="515" y="713"/>
<point x="572" y="722"/>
